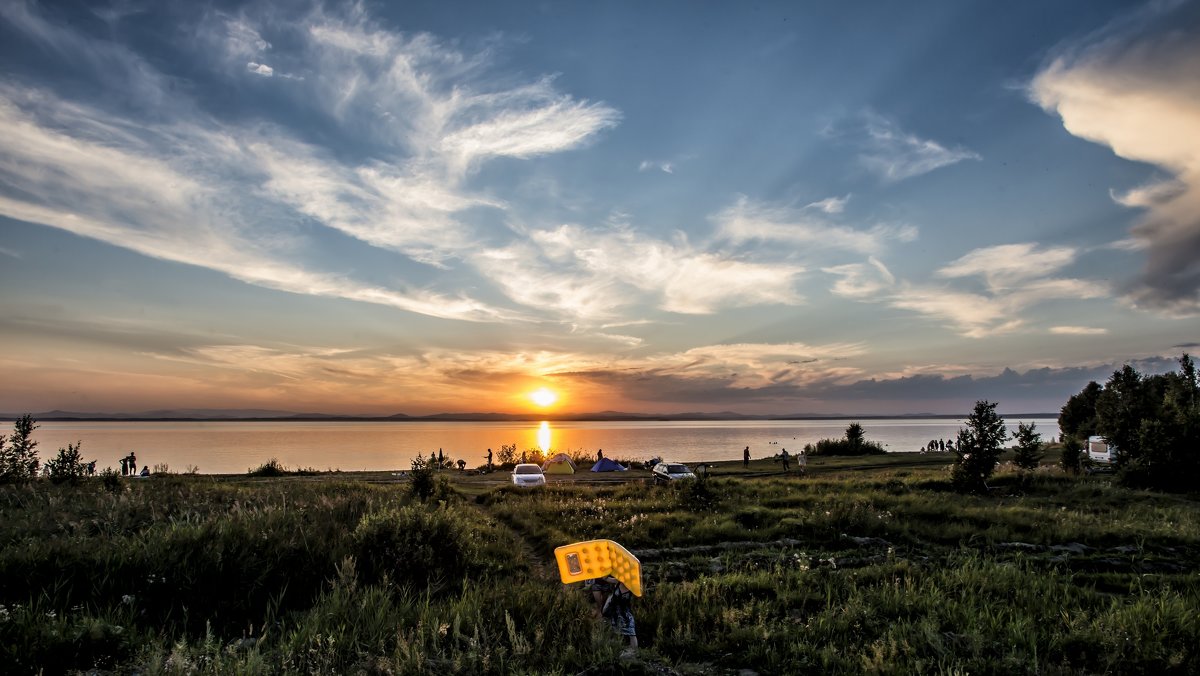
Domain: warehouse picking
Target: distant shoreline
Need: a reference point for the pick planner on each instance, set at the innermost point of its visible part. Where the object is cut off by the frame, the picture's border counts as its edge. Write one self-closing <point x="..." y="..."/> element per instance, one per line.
<point x="493" y="417"/>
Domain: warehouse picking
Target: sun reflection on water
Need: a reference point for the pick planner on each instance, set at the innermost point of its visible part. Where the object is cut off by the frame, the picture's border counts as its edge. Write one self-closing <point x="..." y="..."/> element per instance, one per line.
<point x="543" y="436"/>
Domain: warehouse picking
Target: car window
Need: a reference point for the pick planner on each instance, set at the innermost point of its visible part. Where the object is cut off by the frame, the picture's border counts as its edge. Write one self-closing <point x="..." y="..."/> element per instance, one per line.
<point x="677" y="469"/>
<point x="529" y="470"/>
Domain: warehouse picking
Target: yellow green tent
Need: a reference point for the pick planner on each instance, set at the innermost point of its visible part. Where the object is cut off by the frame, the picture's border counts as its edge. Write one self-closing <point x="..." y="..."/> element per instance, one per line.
<point x="559" y="464"/>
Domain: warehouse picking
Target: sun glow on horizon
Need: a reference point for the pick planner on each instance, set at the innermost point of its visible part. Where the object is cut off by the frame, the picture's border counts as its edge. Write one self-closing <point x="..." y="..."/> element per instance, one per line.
<point x="543" y="397"/>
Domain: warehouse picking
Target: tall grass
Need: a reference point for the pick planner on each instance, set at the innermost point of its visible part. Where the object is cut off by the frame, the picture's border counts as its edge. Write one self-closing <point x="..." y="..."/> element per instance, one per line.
<point x="880" y="571"/>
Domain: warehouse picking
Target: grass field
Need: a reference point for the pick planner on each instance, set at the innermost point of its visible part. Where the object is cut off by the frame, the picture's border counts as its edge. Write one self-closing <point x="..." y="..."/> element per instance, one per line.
<point x="865" y="565"/>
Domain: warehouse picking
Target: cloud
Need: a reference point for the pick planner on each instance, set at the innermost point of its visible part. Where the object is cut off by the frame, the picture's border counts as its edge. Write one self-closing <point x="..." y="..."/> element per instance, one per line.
<point x="260" y="69"/>
<point x="1006" y="265"/>
<point x="1077" y="331"/>
<point x="751" y="221"/>
<point x="1015" y="278"/>
<point x="181" y="185"/>
<point x="665" y="167"/>
<point x="830" y="205"/>
<point x="1133" y="87"/>
<point x="895" y="155"/>
<point x="863" y="281"/>
<point x="243" y="40"/>
<point x="592" y="273"/>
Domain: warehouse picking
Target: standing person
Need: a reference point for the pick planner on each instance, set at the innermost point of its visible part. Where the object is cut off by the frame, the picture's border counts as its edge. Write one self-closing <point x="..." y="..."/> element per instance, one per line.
<point x="599" y="455"/>
<point x="489" y="459"/>
<point x="802" y="462"/>
<point x="132" y="463"/>
<point x="124" y="466"/>
<point x="746" y="457"/>
<point x="785" y="458"/>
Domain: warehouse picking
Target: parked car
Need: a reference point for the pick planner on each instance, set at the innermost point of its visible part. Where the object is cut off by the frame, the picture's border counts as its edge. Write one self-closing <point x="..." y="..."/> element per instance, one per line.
<point x="671" y="471"/>
<point x="528" y="474"/>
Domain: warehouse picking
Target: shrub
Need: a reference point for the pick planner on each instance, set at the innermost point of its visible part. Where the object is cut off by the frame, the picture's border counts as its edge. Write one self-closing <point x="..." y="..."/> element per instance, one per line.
<point x="270" y="468"/>
<point x="853" y="443"/>
<point x="68" y="466"/>
<point x="415" y="545"/>
<point x="422" y="486"/>
<point x="1072" y="455"/>
<point x="978" y="448"/>
<point x="1029" y="446"/>
<point x="507" y="454"/>
<point x="18" y="458"/>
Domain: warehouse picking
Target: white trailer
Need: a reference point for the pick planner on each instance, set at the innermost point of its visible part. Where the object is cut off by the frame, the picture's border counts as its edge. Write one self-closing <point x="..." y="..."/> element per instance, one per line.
<point x="1100" y="451"/>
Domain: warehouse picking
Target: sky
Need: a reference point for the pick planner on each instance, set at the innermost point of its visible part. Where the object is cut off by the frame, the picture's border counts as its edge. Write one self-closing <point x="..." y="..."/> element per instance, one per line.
<point x="839" y="207"/>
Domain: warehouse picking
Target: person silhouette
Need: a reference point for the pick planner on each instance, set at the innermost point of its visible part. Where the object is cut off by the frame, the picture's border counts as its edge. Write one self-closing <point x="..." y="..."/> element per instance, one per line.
<point x="746" y="457"/>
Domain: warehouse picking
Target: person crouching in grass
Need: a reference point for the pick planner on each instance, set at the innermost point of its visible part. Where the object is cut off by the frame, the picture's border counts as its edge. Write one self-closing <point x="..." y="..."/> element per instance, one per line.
<point x="614" y="602"/>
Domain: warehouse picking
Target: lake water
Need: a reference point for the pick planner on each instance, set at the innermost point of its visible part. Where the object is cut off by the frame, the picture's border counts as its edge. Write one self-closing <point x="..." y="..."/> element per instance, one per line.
<point x="235" y="447"/>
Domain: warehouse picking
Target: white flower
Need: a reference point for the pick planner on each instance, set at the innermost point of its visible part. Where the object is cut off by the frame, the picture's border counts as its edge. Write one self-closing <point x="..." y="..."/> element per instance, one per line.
<point x="128" y="599"/>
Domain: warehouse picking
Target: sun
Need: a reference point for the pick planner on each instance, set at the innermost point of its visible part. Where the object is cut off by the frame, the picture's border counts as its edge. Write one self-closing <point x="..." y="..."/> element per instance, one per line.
<point x="543" y="397"/>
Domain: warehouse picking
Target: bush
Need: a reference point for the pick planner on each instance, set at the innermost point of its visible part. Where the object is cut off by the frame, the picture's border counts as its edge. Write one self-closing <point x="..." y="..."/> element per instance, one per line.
<point x="18" y="458"/>
<point x="415" y="545"/>
<point x="270" y="468"/>
<point x="1072" y="455"/>
<point x="68" y="466"/>
<point x="978" y="448"/>
<point x="1029" y="446"/>
<point x="853" y="443"/>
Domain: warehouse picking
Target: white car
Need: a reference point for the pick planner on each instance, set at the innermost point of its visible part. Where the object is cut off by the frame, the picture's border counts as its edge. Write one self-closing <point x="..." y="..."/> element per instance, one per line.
<point x="528" y="474"/>
<point x="671" y="471"/>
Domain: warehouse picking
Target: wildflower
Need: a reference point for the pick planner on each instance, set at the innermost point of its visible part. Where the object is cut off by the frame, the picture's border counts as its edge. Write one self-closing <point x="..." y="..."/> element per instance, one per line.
<point x="3" y="613"/>
<point x="51" y="614"/>
<point x="128" y="599"/>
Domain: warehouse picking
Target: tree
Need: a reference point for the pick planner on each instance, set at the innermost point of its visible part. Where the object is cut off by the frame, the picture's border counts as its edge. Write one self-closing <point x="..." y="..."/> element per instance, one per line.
<point x="1029" y="446"/>
<point x="18" y="459"/>
<point x="1121" y="408"/>
<point x="1078" y="416"/>
<point x="68" y="465"/>
<point x="855" y="435"/>
<point x="978" y="448"/>
<point x="508" y="454"/>
<point x="1154" y="423"/>
<point x="1072" y="455"/>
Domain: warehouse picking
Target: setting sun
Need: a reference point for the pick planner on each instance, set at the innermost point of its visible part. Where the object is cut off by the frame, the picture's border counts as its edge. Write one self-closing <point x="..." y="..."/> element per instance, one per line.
<point x="543" y="397"/>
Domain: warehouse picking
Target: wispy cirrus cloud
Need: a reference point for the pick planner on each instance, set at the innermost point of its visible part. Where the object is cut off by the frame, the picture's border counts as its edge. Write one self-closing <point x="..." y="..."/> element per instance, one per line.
<point x="1133" y="88"/>
<point x="747" y="220"/>
<point x="894" y="154"/>
<point x="592" y="273"/>
<point x="224" y="195"/>
<point x="1015" y="277"/>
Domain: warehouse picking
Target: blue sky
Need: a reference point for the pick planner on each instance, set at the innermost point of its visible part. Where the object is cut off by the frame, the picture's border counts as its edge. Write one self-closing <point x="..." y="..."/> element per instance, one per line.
<point x="842" y="207"/>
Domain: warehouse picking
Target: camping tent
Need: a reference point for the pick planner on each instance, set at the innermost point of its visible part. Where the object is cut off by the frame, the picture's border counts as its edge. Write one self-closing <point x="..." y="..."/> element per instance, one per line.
<point x="607" y="465"/>
<point x="559" y="464"/>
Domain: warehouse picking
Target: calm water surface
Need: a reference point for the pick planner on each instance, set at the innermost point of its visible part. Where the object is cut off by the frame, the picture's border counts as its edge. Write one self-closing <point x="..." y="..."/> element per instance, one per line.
<point x="235" y="447"/>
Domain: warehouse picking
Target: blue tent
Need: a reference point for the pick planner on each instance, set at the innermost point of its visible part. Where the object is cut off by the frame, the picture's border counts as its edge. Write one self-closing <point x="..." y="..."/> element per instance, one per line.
<point x="607" y="465"/>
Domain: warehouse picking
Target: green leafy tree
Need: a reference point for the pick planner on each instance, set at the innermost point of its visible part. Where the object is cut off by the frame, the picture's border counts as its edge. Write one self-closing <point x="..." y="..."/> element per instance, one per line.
<point x="18" y="458"/>
<point x="1121" y="408"/>
<point x="1072" y="455"/>
<point x="1078" y="416"/>
<point x="1029" y="446"/>
<point x="68" y="465"/>
<point x="978" y="448"/>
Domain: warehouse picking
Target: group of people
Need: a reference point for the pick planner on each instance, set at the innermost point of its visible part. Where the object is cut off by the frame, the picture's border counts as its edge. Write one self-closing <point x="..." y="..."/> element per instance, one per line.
<point x="129" y="466"/>
<point x="938" y="445"/>
<point x="784" y="457"/>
